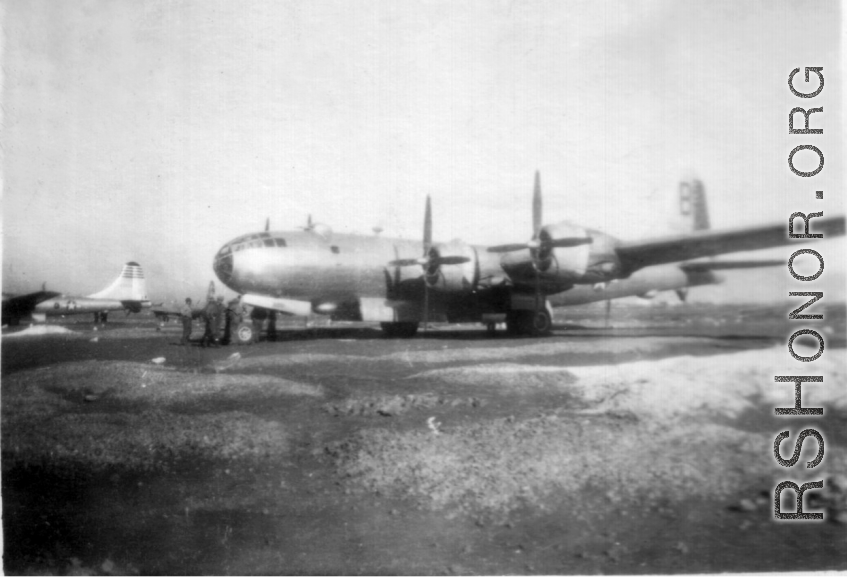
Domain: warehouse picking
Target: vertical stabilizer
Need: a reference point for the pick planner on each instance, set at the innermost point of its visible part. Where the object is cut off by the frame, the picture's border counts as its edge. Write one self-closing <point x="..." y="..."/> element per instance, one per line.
<point x="129" y="286"/>
<point x="692" y="205"/>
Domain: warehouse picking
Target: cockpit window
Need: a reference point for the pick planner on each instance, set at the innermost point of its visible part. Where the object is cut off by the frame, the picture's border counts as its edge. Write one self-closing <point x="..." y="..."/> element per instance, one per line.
<point x="334" y="249"/>
<point x="264" y="235"/>
<point x="238" y="247"/>
<point x="280" y="242"/>
<point x="269" y="242"/>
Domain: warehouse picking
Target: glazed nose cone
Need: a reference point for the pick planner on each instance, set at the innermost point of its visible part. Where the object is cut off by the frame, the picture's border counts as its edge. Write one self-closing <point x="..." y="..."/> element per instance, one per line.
<point x="223" y="264"/>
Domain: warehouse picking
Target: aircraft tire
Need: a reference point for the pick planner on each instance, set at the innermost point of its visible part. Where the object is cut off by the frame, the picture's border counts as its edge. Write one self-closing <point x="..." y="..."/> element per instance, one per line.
<point x="541" y="323"/>
<point x="243" y="334"/>
<point x="530" y="323"/>
<point x="401" y="330"/>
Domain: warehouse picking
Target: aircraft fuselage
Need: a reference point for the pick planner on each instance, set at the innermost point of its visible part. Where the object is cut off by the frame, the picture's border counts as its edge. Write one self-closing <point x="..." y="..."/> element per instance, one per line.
<point x="334" y="271"/>
<point x="77" y="305"/>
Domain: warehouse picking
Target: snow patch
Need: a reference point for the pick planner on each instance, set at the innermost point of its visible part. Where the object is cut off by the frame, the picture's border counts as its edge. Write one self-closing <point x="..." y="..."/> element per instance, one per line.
<point x="723" y="384"/>
<point x="40" y="330"/>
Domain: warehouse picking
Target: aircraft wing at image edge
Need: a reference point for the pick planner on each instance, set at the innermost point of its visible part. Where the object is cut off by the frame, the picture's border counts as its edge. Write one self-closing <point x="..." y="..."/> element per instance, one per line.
<point x="679" y="248"/>
<point x="22" y="305"/>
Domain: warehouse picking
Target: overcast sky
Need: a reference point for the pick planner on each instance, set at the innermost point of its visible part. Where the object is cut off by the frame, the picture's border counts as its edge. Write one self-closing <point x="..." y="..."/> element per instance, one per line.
<point x="156" y="130"/>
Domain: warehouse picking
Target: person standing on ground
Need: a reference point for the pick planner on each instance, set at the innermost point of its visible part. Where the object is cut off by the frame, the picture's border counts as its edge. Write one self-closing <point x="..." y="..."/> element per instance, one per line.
<point x="221" y="319"/>
<point x="234" y="317"/>
<point x="185" y="312"/>
<point x="210" y="316"/>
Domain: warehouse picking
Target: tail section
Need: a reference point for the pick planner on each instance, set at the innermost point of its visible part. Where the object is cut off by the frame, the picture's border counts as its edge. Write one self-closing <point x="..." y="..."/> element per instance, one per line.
<point x="692" y="205"/>
<point x="129" y="286"/>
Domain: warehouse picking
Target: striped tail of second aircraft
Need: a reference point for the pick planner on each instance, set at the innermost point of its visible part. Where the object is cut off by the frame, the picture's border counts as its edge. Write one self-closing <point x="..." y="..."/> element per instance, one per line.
<point x="129" y="286"/>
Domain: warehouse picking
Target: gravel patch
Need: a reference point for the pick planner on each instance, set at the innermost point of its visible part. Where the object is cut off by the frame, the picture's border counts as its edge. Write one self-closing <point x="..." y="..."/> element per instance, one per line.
<point x="508" y="376"/>
<point x="648" y="431"/>
<point x="393" y="405"/>
<point x="142" y="381"/>
<point x="66" y="415"/>
<point x="147" y="441"/>
<point x="498" y="466"/>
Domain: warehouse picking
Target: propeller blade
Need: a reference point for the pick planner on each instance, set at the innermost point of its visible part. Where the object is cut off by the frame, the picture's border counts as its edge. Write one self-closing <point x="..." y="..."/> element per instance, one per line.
<point x="426" y="306"/>
<point x="536" y="206"/>
<point x="569" y="242"/>
<point x="408" y="262"/>
<point x="438" y="261"/>
<point x="427" y="235"/>
<point x="508" y="247"/>
<point x="537" y="294"/>
<point x="267" y="224"/>
<point x="396" y="269"/>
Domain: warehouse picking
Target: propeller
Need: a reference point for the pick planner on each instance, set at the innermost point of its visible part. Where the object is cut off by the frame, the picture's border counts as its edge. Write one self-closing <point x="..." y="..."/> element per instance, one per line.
<point x="267" y="224"/>
<point x="431" y="260"/>
<point x="541" y="244"/>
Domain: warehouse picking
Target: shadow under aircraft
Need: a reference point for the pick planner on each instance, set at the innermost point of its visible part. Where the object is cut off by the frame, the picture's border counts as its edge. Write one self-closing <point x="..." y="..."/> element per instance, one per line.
<point x="404" y="284"/>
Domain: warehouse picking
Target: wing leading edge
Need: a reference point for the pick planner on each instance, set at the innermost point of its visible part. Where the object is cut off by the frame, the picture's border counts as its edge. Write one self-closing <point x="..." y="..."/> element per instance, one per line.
<point x="16" y="307"/>
<point x="679" y="248"/>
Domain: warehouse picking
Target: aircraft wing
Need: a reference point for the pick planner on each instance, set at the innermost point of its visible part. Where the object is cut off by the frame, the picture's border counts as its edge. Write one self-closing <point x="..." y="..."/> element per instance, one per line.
<point x="709" y="265"/>
<point x="680" y="248"/>
<point x="22" y="305"/>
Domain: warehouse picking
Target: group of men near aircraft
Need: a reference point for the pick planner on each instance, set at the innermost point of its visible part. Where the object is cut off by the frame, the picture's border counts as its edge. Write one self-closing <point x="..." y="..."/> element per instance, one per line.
<point x="220" y="321"/>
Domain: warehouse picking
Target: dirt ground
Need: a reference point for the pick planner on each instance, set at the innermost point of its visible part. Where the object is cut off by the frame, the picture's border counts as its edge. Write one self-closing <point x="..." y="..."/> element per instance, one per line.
<point x="646" y="447"/>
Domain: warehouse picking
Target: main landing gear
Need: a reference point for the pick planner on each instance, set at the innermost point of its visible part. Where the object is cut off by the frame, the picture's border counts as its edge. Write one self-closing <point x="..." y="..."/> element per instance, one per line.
<point x="401" y="330"/>
<point x="529" y="322"/>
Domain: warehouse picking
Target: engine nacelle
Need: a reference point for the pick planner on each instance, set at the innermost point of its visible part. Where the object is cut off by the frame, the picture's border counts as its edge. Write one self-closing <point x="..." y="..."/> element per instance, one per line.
<point x="563" y="264"/>
<point x="453" y="277"/>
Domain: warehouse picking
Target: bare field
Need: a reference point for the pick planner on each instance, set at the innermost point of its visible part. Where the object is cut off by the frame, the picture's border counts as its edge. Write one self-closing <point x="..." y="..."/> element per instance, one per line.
<point x="622" y="450"/>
